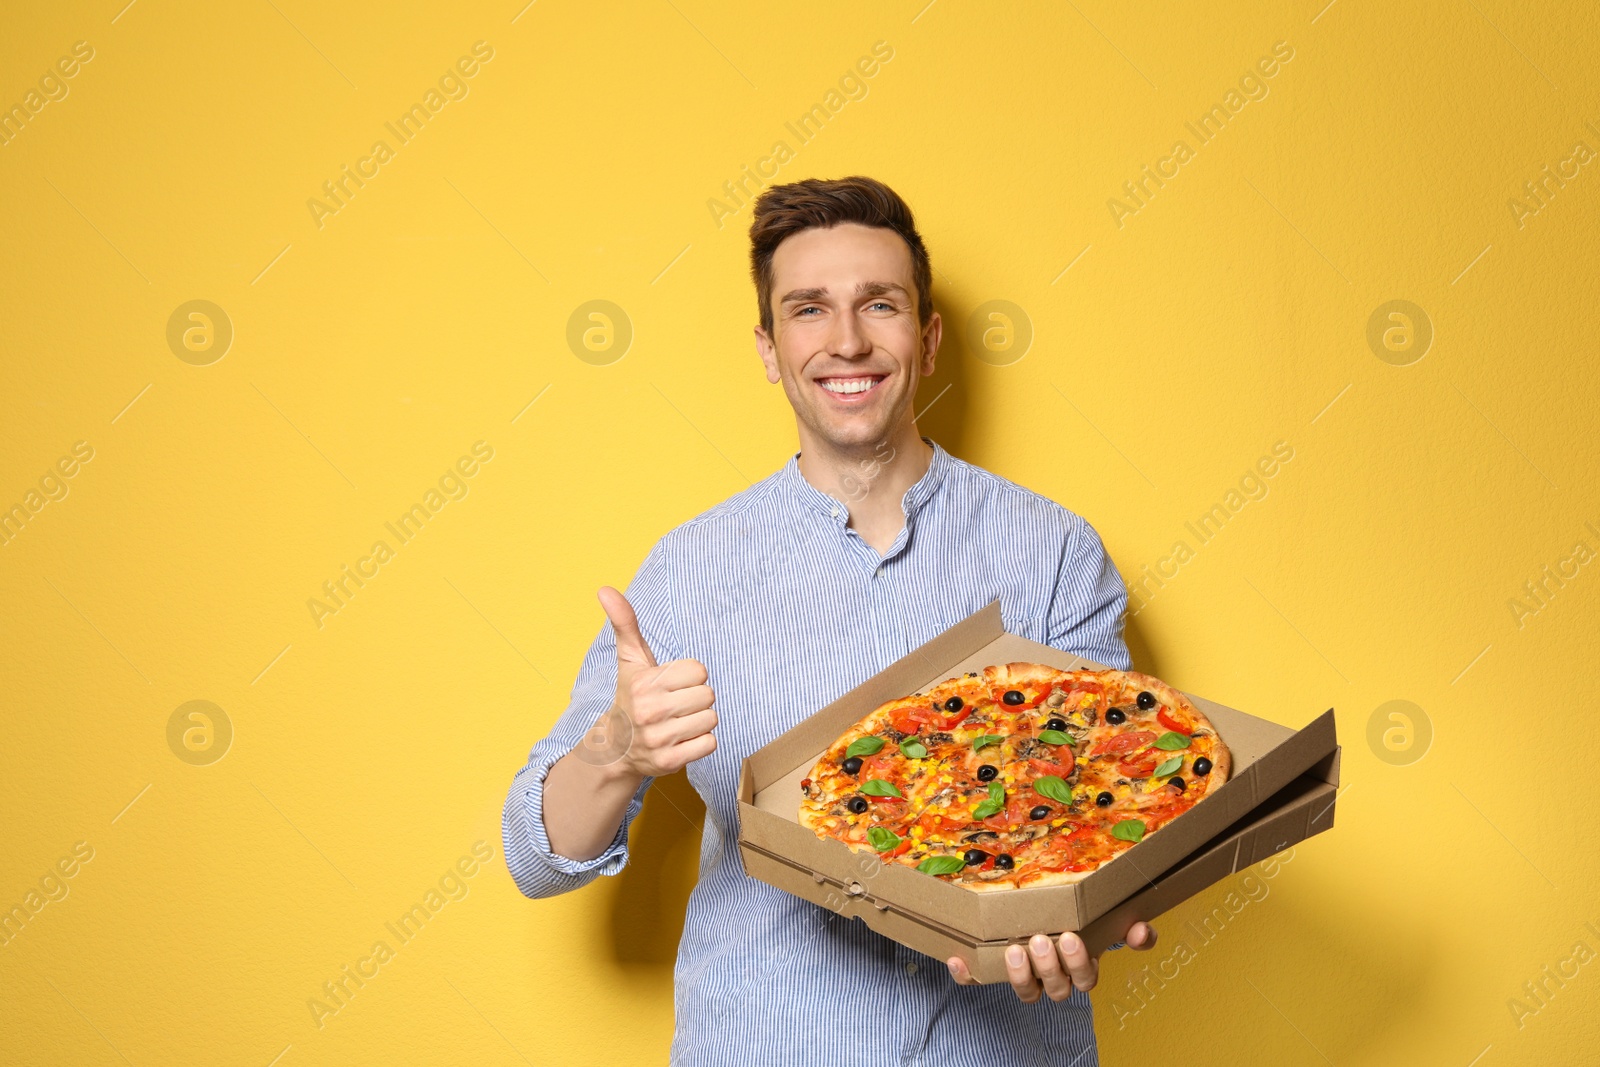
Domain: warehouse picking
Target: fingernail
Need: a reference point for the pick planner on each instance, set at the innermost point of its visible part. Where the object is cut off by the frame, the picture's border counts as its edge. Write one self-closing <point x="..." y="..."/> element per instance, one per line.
<point x="1070" y="942"/>
<point x="1015" y="956"/>
<point x="1041" y="945"/>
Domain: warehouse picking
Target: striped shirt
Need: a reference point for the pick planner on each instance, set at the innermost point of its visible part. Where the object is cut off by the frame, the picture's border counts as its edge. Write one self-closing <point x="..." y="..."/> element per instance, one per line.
<point x="788" y="608"/>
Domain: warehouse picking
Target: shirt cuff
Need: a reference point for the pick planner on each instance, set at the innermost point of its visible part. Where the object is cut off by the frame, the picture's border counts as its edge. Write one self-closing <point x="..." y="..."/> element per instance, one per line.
<point x="529" y="783"/>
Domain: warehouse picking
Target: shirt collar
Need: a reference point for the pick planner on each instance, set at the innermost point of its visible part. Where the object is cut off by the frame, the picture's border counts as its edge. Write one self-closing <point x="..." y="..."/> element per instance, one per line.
<point x="816" y="500"/>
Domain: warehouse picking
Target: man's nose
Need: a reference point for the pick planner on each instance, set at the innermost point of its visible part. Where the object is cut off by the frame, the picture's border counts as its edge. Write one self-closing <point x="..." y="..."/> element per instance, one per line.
<point x="848" y="339"/>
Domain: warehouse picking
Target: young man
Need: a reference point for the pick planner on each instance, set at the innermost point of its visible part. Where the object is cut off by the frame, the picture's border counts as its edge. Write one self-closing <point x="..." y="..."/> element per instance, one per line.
<point x="744" y="620"/>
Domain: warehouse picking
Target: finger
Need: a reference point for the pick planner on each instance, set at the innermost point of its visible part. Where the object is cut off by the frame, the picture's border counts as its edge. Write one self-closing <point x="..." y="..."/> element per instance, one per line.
<point x="686" y="752"/>
<point x="1047" y="965"/>
<point x="650" y="705"/>
<point x="681" y="674"/>
<point x="681" y="702"/>
<point x="631" y="646"/>
<point x="1141" y="937"/>
<point x="688" y="727"/>
<point x="659" y="735"/>
<point x="959" y="971"/>
<point x="1081" y="967"/>
<point x="1020" y="974"/>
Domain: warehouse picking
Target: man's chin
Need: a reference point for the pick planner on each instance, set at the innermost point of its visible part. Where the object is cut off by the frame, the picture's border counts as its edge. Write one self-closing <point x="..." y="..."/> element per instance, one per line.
<point x="854" y="435"/>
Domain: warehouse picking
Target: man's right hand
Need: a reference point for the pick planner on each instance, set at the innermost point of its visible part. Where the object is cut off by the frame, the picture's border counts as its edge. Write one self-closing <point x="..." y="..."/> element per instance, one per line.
<point x="663" y="712"/>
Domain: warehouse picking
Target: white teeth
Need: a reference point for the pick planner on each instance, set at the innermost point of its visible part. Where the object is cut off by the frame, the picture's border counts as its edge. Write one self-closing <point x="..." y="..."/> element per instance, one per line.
<point x="849" y="385"/>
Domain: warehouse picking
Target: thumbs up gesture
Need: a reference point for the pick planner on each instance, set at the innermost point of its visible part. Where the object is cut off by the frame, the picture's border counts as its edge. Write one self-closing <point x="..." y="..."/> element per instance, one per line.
<point x="662" y="715"/>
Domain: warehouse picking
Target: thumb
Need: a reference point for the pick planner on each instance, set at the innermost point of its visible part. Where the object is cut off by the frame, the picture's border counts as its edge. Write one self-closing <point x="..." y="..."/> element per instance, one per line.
<point x="631" y="646"/>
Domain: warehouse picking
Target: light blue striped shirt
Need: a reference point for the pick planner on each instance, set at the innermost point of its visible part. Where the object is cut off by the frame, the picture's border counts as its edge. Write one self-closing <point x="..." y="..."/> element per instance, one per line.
<point x="788" y="607"/>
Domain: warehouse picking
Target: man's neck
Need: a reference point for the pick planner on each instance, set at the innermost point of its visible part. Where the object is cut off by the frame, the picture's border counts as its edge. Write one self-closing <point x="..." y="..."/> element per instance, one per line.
<point x="870" y="482"/>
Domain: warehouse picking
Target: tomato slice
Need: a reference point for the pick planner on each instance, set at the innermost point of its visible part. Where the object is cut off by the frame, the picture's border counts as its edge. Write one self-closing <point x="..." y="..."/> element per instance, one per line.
<point x="1140" y="768"/>
<point x="876" y="766"/>
<point x="1093" y="690"/>
<point x="1060" y="768"/>
<point x="1066" y="853"/>
<point x="1173" y="724"/>
<point x="1125" y="742"/>
<point x="910" y="719"/>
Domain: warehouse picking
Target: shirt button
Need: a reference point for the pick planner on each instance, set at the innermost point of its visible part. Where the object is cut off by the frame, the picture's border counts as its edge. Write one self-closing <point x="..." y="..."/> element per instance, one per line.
<point x="834" y="513"/>
<point x="878" y="573"/>
<point x="911" y="968"/>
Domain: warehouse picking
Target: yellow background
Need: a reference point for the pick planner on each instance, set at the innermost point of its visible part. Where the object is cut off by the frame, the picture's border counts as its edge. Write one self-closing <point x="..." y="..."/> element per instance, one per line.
<point x="370" y="753"/>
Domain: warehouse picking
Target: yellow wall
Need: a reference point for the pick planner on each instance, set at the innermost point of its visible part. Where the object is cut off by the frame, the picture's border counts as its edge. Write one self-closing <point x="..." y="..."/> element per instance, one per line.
<point x="374" y="345"/>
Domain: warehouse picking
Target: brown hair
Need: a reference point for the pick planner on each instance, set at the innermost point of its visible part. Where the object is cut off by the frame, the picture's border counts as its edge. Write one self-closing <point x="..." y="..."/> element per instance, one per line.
<point x="785" y="210"/>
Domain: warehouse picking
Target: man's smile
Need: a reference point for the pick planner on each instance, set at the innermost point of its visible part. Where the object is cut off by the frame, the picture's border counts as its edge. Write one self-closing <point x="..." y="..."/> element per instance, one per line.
<point x="851" y="389"/>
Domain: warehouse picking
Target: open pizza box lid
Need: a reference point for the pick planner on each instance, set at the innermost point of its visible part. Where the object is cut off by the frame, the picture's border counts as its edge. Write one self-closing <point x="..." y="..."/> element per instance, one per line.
<point x="1266" y="758"/>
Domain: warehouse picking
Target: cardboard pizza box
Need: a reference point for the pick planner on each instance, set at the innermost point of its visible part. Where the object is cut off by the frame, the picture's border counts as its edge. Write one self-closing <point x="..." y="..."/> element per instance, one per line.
<point x="775" y="848"/>
<point x="1301" y="809"/>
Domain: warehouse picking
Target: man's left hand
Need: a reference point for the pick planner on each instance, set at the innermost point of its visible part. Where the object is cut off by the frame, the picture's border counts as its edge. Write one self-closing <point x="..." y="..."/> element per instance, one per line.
<point x="1054" y="968"/>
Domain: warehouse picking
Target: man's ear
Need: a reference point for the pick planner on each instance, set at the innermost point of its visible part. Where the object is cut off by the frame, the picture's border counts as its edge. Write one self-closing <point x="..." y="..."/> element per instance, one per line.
<point x="768" y="353"/>
<point x="930" y="342"/>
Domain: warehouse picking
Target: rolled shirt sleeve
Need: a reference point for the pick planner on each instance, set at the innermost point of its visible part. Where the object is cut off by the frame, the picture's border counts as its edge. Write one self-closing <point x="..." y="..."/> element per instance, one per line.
<point x="537" y="870"/>
<point x="1086" y="613"/>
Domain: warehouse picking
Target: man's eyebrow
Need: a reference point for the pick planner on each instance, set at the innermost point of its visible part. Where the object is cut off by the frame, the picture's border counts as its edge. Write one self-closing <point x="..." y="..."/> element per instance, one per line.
<point x="800" y="296"/>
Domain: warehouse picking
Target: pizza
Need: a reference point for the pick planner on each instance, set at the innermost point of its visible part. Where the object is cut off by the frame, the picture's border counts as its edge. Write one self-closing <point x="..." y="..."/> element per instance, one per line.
<point x="1018" y="776"/>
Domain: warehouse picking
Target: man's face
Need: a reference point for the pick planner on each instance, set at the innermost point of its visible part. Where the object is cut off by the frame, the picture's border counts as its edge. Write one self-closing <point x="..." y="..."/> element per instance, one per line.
<point x="845" y="339"/>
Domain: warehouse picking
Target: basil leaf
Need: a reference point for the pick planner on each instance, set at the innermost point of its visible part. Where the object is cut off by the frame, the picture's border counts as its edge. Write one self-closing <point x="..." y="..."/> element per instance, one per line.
<point x="996" y="801"/>
<point x="1055" y="737"/>
<point x="1171" y="766"/>
<point x="1171" y="740"/>
<point x="863" y="746"/>
<point x="883" y="840"/>
<point x="1128" y="830"/>
<point x="985" y="740"/>
<point x="913" y="748"/>
<point x="941" y="865"/>
<point x="877" y="787"/>
<point x="1054" y="788"/>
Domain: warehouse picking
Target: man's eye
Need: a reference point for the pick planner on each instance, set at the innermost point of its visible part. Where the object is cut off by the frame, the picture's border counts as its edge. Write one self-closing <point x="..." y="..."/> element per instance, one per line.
<point x="883" y="304"/>
<point x="803" y="310"/>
